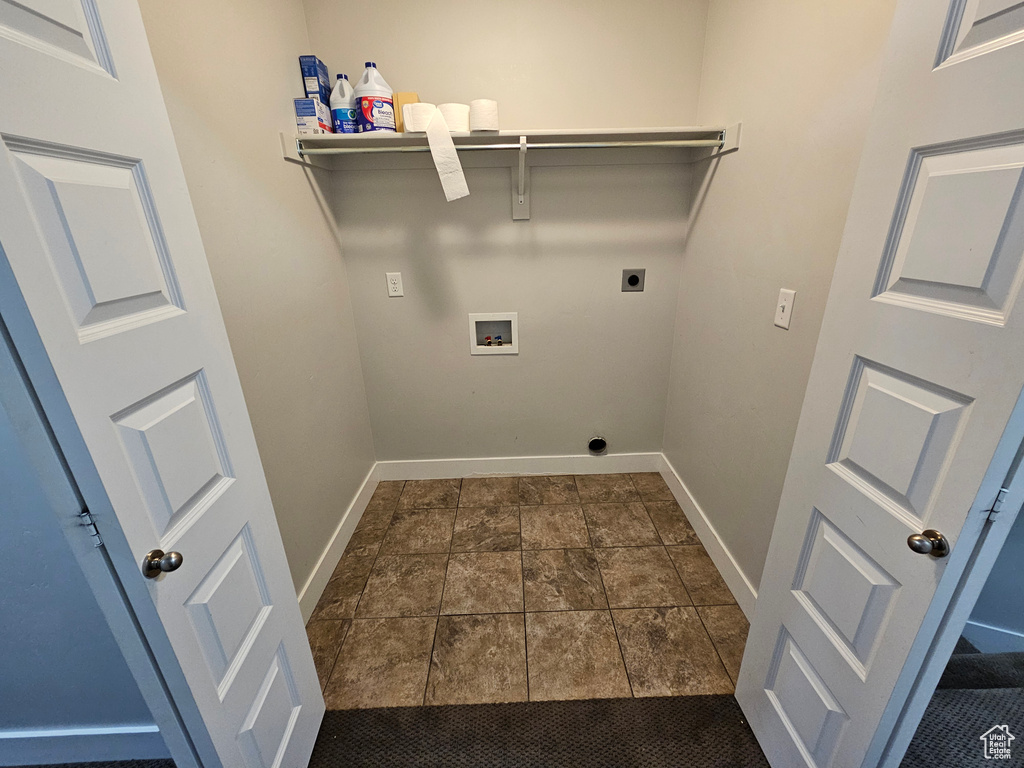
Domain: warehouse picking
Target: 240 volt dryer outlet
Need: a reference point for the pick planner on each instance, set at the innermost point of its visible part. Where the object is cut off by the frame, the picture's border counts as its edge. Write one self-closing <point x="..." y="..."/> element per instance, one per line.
<point x="633" y="279"/>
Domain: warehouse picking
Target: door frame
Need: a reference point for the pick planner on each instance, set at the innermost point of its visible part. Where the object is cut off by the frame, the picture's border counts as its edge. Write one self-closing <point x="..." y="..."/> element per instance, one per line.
<point x="978" y="545"/>
<point x="115" y="578"/>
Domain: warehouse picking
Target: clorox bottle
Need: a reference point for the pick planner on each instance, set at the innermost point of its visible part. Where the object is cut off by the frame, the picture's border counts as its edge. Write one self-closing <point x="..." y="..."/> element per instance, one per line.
<point x="375" y="109"/>
<point x="343" y="106"/>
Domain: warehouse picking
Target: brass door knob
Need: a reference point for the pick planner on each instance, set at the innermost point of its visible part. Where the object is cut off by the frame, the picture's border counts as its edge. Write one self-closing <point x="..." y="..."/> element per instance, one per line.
<point x="157" y="561"/>
<point x="929" y="542"/>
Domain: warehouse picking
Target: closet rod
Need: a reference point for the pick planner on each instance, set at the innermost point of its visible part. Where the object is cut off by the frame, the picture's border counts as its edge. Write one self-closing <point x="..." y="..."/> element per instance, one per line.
<point x="717" y="143"/>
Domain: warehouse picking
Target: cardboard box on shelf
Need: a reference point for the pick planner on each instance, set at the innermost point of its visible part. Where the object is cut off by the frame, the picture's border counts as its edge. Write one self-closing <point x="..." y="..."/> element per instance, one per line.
<point x="312" y="116"/>
<point x="315" y="78"/>
<point x="400" y="100"/>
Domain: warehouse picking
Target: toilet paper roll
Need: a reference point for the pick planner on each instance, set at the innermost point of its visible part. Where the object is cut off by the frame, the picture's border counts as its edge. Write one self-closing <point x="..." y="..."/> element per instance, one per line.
<point x="456" y="116"/>
<point x="483" y="115"/>
<point x="417" y="116"/>
<point x="446" y="158"/>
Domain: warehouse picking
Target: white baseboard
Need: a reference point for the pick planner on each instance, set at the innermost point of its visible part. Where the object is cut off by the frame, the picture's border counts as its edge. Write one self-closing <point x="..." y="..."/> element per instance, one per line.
<point x="435" y="469"/>
<point x="315" y="585"/>
<point x="735" y="579"/>
<point x="80" y="745"/>
<point x="990" y="639"/>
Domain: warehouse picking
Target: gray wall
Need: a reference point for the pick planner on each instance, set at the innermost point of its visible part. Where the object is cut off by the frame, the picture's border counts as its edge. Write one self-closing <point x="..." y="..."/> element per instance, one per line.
<point x="801" y="75"/>
<point x="592" y="359"/>
<point x="549" y="64"/>
<point x="61" y="667"/>
<point x="229" y="72"/>
<point x="1000" y="607"/>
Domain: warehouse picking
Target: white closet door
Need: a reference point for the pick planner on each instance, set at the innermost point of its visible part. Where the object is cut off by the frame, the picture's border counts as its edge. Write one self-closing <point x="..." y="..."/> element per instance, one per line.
<point x="918" y="367"/>
<point x="99" y="231"/>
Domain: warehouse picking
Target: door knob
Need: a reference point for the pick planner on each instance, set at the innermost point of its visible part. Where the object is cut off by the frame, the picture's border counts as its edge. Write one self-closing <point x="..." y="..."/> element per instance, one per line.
<point x="157" y="561"/>
<point x="929" y="542"/>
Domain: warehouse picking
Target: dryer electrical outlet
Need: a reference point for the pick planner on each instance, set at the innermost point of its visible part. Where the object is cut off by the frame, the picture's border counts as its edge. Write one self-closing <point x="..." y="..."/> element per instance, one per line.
<point x="633" y="279"/>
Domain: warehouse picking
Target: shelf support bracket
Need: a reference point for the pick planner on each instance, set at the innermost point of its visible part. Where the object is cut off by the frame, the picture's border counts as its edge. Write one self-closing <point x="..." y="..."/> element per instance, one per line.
<point x="521" y="191"/>
<point x="290" y="152"/>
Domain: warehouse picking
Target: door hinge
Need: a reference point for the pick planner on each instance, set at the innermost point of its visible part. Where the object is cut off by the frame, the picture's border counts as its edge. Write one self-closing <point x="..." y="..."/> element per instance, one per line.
<point x="86" y="517"/>
<point x="997" y="505"/>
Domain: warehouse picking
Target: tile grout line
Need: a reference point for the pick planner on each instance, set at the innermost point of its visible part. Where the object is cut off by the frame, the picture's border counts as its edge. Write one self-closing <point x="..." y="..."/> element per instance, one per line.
<point x="546" y="610"/>
<point x="629" y="679"/>
<point x="337" y="655"/>
<point x="522" y="573"/>
<point x="608" y="601"/>
<point x="665" y="545"/>
<point x="699" y="617"/>
<point x="656" y="529"/>
<point x="684" y="581"/>
<point x="671" y="499"/>
<point x="586" y="524"/>
<point x="714" y="645"/>
<point x="680" y="575"/>
<point x="365" y="582"/>
<point x="376" y="555"/>
<point x="672" y="559"/>
<point x="615" y="625"/>
<point x="440" y="602"/>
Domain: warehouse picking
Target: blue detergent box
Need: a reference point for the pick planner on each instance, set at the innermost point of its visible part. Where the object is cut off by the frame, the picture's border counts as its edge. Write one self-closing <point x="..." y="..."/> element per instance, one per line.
<point x="312" y="116"/>
<point x="315" y="78"/>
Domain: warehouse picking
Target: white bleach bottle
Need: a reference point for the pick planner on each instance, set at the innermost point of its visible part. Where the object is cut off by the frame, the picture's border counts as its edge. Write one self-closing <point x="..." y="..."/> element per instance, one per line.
<point x="343" y="106"/>
<point x="375" y="108"/>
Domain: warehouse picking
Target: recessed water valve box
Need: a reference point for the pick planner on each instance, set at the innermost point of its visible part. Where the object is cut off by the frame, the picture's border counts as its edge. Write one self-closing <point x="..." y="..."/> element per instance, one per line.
<point x="494" y="333"/>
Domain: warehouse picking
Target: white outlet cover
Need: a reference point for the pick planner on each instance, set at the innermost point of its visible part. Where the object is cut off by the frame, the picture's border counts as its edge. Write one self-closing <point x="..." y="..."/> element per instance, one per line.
<point x="394" y="283"/>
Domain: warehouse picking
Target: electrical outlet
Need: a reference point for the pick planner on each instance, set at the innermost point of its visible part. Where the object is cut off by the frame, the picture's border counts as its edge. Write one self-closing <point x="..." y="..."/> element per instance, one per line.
<point x="394" y="284"/>
<point x="784" y="308"/>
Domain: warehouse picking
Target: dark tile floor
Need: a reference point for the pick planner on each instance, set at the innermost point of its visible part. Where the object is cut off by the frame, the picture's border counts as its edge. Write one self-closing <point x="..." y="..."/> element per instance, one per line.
<point x="505" y="589"/>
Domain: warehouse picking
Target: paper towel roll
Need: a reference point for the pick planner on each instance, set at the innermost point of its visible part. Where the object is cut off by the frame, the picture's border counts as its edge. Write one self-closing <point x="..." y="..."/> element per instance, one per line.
<point x="446" y="158"/>
<point x="483" y="115"/>
<point x="417" y="116"/>
<point x="456" y="116"/>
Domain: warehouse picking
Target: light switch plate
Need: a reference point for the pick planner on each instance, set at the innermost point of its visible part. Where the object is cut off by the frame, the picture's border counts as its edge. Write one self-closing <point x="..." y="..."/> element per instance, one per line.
<point x="395" y="284"/>
<point x="784" y="308"/>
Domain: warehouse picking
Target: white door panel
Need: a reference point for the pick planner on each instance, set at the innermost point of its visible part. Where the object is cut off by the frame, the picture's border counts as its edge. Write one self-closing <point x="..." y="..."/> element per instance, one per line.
<point x="99" y="231"/>
<point x="975" y="27"/>
<point x="918" y="367"/>
<point x="64" y="29"/>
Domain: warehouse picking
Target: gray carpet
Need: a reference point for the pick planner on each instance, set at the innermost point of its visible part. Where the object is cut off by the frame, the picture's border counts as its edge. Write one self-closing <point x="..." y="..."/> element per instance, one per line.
<point x="984" y="670"/>
<point x="676" y="732"/>
<point x="673" y="732"/>
<point x="949" y="735"/>
<point x="977" y="691"/>
<point x="963" y="645"/>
